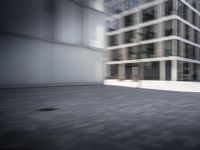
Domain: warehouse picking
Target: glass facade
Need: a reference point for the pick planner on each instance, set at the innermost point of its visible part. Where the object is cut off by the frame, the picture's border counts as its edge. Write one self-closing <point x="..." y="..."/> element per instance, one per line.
<point x="129" y="37"/>
<point x="168" y="7"/>
<point x="147" y="51"/>
<point x="168" y="48"/>
<point x="115" y="55"/>
<point x="113" y="40"/>
<point x="148" y="14"/>
<point x="151" y="71"/>
<point x="114" y="71"/>
<point x="129" y="20"/>
<point x="133" y="53"/>
<point x="149" y="33"/>
<point x="168" y="28"/>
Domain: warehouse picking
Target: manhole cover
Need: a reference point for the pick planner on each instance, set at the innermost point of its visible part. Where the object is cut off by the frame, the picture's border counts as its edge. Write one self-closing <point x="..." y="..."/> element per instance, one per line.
<point x="47" y="109"/>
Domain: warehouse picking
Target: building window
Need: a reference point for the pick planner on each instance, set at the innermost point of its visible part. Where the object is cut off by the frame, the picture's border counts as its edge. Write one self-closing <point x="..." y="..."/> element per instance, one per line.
<point x="115" y="55"/>
<point x="129" y="37"/>
<point x="180" y="9"/>
<point x="131" y="4"/>
<point x="148" y="33"/>
<point x="128" y="71"/>
<point x="112" y="25"/>
<point x="147" y="1"/>
<point x="178" y="48"/>
<point x="114" y="71"/>
<point x="186" y="71"/>
<point x="132" y="53"/>
<point x="185" y="12"/>
<point x="151" y="71"/>
<point x="168" y="48"/>
<point x="147" y="51"/>
<point x="148" y="14"/>
<point x="178" y="28"/>
<point x="129" y="20"/>
<point x="113" y="40"/>
<point x="168" y="7"/>
<point x="187" y="33"/>
<point x="194" y="18"/>
<point x="117" y="8"/>
<point x="168" y="70"/>
<point x="168" y="28"/>
<point x="189" y="51"/>
<point x="194" y="4"/>
<point x="196" y="36"/>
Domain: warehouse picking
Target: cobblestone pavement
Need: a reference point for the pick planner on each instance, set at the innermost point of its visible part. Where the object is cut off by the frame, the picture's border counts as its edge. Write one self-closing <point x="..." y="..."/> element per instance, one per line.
<point x="98" y="118"/>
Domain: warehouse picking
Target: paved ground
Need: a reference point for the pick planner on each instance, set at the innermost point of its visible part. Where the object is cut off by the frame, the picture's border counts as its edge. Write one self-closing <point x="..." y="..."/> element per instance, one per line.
<point x="98" y="118"/>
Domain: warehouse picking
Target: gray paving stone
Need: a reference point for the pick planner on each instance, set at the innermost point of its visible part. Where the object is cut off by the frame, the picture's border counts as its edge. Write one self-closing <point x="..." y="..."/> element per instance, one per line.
<point x="98" y="118"/>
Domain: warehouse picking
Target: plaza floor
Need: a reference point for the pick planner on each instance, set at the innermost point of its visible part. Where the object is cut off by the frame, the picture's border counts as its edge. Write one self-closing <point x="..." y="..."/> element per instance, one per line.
<point x="98" y="118"/>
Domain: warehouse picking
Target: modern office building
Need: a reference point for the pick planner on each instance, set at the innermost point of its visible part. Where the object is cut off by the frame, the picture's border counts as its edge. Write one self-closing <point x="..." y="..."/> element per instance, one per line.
<point x="153" y="39"/>
<point x="51" y="42"/>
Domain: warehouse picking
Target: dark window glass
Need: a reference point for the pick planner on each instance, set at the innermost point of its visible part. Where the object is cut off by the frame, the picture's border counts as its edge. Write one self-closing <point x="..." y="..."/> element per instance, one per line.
<point x="128" y="71"/>
<point x="114" y="71"/>
<point x="129" y="20"/>
<point x="168" y="28"/>
<point x="189" y="51"/>
<point x="178" y="28"/>
<point x="168" y="70"/>
<point x="168" y="48"/>
<point x="129" y="37"/>
<point x="194" y="4"/>
<point x="148" y="33"/>
<point x="196" y="36"/>
<point x="185" y="12"/>
<point x="115" y="55"/>
<point x="194" y="18"/>
<point x="147" y="51"/>
<point x="117" y="8"/>
<point x="180" y="9"/>
<point x="168" y="7"/>
<point x="147" y="1"/>
<point x="151" y="71"/>
<point x="131" y="4"/>
<point x="178" y="48"/>
<point x="148" y="14"/>
<point x="113" y="40"/>
<point x="187" y="32"/>
<point x="133" y="53"/>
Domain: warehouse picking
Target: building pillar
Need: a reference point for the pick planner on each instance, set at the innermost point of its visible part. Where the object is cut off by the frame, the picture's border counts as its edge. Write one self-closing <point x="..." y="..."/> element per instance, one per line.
<point x="160" y="51"/>
<point x="174" y="71"/>
<point x="121" y="71"/>
<point x="162" y="70"/>
<point x="124" y="54"/>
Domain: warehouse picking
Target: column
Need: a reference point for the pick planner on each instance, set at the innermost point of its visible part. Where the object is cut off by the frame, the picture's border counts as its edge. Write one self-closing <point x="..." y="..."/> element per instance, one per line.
<point x="174" y="72"/>
<point x="124" y="53"/>
<point x="162" y="70"/>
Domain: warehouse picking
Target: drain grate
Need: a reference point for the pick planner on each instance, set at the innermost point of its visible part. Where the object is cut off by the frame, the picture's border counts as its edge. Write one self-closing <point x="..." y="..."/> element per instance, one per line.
<point x="47" y="109"/>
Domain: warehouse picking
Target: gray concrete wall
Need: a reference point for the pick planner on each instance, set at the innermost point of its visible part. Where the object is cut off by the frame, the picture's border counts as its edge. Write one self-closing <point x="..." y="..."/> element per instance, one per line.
<point x="38" y="47"/>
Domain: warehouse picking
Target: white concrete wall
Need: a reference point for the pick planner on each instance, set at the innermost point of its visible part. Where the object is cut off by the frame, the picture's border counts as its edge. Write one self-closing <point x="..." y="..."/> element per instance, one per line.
<point x="28" y="57"/>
